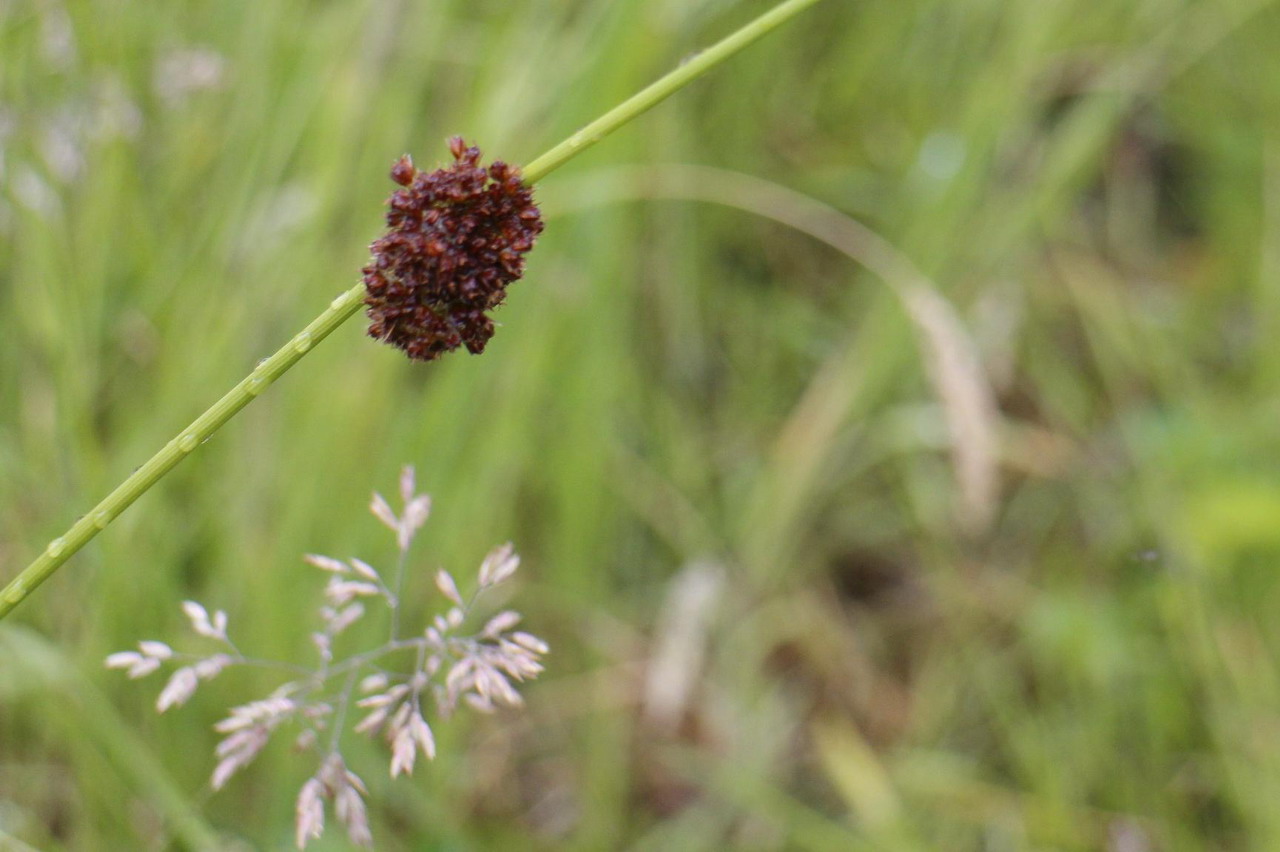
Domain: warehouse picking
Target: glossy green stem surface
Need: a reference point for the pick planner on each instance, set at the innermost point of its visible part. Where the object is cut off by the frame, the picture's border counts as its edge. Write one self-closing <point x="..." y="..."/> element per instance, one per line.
<point x="692" y="68"/>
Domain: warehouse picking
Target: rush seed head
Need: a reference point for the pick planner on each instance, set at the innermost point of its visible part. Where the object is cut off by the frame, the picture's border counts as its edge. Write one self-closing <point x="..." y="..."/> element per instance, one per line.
<point x="456" y="237"/>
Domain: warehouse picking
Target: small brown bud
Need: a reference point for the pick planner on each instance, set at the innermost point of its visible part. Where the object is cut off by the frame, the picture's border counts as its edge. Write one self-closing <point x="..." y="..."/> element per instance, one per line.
<point x="456" y="237"/>
<point x="403" y="171"/>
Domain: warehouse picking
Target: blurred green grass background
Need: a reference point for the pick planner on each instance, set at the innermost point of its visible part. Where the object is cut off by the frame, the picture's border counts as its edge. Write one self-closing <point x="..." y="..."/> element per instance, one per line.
<point x="684" y="386"/>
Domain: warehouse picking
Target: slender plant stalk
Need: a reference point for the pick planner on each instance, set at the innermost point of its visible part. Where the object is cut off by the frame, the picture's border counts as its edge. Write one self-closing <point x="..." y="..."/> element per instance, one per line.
<point x="346" y="304"/>
<point x="692" y="68"/>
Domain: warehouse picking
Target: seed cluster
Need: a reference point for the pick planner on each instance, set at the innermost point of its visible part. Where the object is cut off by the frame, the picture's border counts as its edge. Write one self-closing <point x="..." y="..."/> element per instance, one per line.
<point x="456" y="237"/>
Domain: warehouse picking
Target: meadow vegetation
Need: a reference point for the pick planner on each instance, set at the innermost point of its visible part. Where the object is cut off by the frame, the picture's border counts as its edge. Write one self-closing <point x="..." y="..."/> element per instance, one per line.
<point x="902" y="477"/>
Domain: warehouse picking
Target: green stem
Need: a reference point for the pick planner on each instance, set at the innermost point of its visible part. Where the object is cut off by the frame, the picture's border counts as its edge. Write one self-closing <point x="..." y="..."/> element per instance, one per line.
<point x="689" y="70"/>
<point x="345" y="305"/>
<point x="61" y="549"/>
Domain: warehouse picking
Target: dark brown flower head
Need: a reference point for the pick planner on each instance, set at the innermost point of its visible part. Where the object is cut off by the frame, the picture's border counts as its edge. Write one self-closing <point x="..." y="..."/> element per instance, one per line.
<point x="456" y="237"/>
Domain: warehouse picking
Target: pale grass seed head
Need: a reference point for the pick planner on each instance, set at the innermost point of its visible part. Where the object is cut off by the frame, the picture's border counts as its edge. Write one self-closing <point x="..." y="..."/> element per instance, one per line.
<point x="399" y="683"/>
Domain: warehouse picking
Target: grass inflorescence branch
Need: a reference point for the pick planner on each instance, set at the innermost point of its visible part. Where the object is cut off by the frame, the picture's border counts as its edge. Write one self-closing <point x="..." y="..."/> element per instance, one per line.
<point x="60" y="549"/>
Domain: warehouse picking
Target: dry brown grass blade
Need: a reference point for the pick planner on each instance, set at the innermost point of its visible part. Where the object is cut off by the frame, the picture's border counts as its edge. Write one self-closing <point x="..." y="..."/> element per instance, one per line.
<point x="951" y="359"/>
